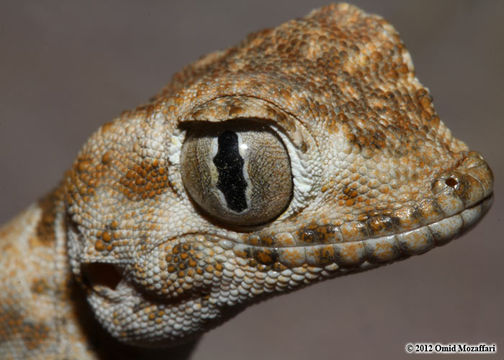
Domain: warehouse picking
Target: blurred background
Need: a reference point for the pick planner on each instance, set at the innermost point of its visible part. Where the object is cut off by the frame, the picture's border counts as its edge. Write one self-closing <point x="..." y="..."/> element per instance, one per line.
<point x="68" y="67"/>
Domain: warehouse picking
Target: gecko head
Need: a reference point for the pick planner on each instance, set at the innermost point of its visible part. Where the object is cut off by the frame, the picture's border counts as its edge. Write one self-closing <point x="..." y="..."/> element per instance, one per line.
<point x="306" y="152"/>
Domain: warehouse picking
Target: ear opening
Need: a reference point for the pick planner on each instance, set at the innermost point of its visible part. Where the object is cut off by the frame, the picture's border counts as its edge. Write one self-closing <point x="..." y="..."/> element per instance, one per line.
<point x="101" y="275"/>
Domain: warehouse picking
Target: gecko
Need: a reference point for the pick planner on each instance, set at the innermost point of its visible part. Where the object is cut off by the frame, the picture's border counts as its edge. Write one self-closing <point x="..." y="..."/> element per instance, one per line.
<point x="306" y="152"/>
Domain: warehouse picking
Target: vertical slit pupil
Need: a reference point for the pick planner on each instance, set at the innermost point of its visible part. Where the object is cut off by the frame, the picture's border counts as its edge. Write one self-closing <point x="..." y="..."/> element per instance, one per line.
<point x="229" y="164"/>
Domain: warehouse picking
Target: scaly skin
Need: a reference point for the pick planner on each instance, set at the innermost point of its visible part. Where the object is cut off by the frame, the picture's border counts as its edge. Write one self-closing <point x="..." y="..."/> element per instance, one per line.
<point x="377" y="177"/>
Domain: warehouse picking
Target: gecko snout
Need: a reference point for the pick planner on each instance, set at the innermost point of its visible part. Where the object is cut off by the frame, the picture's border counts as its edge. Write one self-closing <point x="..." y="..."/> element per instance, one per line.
<point x="465" y="186"/>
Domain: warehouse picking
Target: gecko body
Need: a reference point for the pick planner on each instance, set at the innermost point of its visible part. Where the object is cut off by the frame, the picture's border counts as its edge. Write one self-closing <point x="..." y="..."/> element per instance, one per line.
<point x="306" y="152"/>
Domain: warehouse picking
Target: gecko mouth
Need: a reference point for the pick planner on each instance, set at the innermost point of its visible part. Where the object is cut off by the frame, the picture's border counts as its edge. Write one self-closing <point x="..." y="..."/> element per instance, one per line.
<point x="367" y="253"/>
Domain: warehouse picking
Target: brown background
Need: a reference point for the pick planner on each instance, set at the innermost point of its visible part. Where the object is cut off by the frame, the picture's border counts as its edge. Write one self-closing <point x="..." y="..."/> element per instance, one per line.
<point x="67" y="67"/>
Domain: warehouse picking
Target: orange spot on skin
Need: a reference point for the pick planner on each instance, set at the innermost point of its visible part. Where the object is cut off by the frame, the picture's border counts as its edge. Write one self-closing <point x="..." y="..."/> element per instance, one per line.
<point x="107" y="158"/>
<point x="106" y="236"/>
<point x="99" y="245"/>
<point x="83" y="166"/>
<point x="144" y="181"/>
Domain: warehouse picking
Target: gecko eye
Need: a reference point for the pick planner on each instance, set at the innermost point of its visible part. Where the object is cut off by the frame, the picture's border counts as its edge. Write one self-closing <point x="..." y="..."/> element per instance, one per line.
<point x="237" y="173"/>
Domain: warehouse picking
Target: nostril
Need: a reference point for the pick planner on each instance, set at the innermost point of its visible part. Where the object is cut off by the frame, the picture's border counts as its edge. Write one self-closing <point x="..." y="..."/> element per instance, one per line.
<point x="101" y="274"/>
<point x="451" y="182"/>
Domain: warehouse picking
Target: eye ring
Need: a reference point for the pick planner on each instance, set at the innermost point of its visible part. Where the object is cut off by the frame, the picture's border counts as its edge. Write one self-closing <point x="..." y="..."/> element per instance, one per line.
<point x="238" y="172"/>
